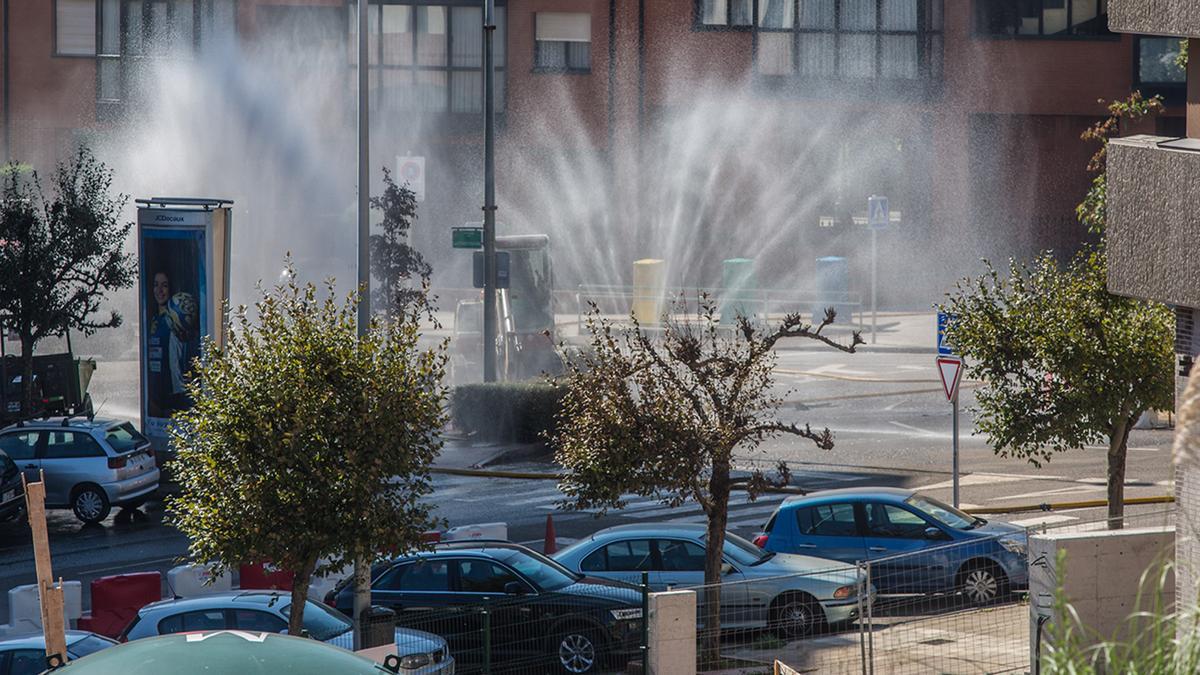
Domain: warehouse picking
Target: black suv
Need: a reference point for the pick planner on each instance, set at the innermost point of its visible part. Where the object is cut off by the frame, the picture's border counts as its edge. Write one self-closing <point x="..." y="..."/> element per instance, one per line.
<point x="541" y="615"/>
<point x="12" y="490"/>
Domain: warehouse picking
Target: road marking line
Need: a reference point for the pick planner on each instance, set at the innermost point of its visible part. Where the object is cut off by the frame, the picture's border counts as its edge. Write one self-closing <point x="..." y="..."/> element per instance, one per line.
<point x="923" y="432"/>
<point x="1076" y="489"/>
<point x="897" y="403"/>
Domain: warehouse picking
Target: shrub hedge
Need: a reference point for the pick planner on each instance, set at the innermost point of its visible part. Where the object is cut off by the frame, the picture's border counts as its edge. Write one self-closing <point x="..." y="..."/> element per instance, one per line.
<point x="507" y="412"/>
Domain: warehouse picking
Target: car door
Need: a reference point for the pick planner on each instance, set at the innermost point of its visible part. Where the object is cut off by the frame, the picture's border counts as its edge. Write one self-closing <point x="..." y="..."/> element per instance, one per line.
<point x="829" y="531"/>
<point x="21" y="447"/>
<point x="421" y="594"/>
<point x="517" y="619"/>
<point x="681" y="565"/>
<point x="69" y="458"/>
<point x="898" y="546"/>
<point x="622" y="560"/>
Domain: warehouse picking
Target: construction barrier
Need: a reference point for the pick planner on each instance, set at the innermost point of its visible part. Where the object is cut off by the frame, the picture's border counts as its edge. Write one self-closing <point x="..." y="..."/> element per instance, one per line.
<point x="25" y="613"/>
<point x="116" y="600"/>
<point x="481" y="531"/>
<point x="258" y="577"/>
<point x="189" y="581"/>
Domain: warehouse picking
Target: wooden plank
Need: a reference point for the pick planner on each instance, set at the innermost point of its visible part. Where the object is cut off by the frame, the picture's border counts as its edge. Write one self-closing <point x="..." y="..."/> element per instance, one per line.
<point x="50" y="596"/>
<point x="782" y="669"/>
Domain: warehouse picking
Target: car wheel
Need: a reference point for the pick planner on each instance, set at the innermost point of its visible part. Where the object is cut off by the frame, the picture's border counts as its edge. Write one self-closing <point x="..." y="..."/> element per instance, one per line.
<point x="90" y="504"/>
<point x="795" y="615"/>
<point x="577" y="651"/>
<point x="982" y="584"/>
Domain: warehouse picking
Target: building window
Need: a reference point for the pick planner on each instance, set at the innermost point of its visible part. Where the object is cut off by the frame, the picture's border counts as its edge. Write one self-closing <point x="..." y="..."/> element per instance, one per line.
<point x="1158" y="70"/>
<point x="1042" y="18"/>
<point x="563" y="42"/>
<point x="849" y="40"/>
<point x="429" y="57"/>
<point x="75" y="27"/>
<point x="726" y="13"/>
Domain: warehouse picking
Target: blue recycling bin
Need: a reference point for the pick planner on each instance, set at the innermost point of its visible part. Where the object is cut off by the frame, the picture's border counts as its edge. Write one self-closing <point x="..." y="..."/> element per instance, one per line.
<point x="739" y="293"/>
<point x="833" y="289"/>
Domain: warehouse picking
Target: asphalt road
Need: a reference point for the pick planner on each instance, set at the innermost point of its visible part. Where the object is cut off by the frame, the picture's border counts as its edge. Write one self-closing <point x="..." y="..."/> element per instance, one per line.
<point x="891" y="424"/>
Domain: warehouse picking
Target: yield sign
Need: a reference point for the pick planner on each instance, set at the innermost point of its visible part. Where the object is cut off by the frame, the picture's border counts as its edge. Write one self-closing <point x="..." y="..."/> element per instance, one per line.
<point x="950" y="368"/>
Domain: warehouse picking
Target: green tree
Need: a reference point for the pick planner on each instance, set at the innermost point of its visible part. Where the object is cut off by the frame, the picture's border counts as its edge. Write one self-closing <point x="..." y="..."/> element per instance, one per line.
<point x="1064" y="363"/>
<point x="394" y="262"/>
<point x="664" y="417"/>
<point x="308" y="446"/>
<point x="1093" y="212"/>
<point x="60" y="255"/>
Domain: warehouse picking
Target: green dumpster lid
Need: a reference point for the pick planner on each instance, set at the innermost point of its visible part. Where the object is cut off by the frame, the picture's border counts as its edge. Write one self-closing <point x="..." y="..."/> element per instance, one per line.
<point x="224" y="651"/>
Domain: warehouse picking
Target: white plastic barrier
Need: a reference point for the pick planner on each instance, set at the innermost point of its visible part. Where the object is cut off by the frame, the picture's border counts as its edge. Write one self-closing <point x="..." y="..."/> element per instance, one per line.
<point x="189" y="581"/>
<point x="480" y="531"/>
<point x="25" y="613"/>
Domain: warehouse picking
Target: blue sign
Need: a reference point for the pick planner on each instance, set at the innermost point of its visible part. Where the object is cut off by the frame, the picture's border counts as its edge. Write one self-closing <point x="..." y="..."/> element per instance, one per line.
<point x="944" y="322"/>
<point x="877" y="212"/>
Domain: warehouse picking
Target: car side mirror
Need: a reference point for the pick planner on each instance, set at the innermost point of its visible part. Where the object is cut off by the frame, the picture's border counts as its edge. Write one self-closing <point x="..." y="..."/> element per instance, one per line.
<point x="514" y="588"/>
<point x="934" y="533"/>
<point x="726" y="569"/>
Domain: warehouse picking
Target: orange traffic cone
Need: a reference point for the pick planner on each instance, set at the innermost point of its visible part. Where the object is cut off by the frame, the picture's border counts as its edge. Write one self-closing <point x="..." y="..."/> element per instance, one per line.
<point x="551" y="545"/>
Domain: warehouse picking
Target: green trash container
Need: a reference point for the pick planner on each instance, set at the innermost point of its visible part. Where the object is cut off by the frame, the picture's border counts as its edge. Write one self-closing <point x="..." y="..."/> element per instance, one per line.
<point x="739" y="294"/>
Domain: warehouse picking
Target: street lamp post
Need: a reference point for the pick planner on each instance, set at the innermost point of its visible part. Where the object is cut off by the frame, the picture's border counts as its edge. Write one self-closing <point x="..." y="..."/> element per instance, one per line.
<point x="489" y="194"/>
<point x="362" y="570"/>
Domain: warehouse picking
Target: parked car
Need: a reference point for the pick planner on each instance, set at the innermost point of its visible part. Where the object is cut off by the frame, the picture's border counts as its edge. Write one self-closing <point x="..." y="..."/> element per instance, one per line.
<point x="12" y="491"/>
<point x="89" y="465"/>
<point x="916" y="543"/>
<point x="267" y="612"/>
<point x="26" y="655"/>
<point x="794" y="595"/>
<point x="541" y="614"/>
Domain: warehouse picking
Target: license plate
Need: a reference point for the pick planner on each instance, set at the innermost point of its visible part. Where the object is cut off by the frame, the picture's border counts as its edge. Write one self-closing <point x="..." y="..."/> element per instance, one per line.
<point x="9" y="496"/>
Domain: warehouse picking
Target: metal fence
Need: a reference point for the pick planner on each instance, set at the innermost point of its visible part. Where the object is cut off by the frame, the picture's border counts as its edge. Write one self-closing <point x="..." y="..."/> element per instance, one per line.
<point x="957" y="608"/>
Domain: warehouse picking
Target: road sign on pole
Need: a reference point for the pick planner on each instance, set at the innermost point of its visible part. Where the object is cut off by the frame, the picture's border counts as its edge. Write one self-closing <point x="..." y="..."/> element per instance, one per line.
<point x="944" y="323"/>
<point x="877" y="219"/>
<point x="410" y="171"/>
<point x="877" y="212"/>
<point x="950" y="369"/>
<point x="466" y="237"/>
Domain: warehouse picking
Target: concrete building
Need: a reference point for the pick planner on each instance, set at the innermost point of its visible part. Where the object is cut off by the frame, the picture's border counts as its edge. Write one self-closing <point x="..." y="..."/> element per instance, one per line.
<point x="967" y="113"/>
<point x="1153" y="227"/>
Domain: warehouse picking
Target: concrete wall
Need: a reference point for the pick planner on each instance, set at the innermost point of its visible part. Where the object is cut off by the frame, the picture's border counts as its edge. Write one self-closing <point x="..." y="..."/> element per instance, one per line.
<point x="1100" y="579"/>
<point x="672" y="633"/>
<point x="1155" y="17"/>
<point x="1152" y="224"/>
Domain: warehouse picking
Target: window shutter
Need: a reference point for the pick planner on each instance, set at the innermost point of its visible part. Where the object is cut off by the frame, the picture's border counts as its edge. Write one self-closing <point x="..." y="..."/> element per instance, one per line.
<point x="564" y="27"/>
<point x="75" y="22"/>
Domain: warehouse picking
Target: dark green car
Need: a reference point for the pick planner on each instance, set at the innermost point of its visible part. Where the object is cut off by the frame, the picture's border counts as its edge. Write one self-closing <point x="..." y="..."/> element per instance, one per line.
<point x="538" y="615"/>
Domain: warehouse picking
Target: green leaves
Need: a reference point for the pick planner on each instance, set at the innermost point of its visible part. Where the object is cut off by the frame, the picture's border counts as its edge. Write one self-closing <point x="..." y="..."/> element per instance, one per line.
<point x="1062" y="360"/>
<point x="306" y="441"/>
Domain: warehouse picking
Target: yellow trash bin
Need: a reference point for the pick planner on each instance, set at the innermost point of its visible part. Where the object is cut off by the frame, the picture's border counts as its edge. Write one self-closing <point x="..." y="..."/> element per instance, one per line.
<point x="649" y="282"/>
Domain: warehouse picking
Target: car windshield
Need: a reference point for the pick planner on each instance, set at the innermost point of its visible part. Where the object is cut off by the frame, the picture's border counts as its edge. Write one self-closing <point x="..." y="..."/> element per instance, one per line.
<point x="124" y="438"/>
<point x="943" y="513"/>
<point x="320" y="622"/>
<point x="542" y="571"/>
<point x="89" y="644"/>
<point x="742" y="551"/>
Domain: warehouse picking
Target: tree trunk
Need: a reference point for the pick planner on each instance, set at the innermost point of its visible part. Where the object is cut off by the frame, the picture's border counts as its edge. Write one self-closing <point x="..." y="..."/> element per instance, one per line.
<point x="1118" y="443"/>
<point x="718" y="516"/>
<point x="26" y="376"/>
<point x="362" y="596"/>
<point x="300" y="581"/>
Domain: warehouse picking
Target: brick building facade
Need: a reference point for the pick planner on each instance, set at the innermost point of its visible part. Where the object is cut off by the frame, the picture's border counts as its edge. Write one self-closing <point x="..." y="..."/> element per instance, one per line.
<point x="965" y="112"/>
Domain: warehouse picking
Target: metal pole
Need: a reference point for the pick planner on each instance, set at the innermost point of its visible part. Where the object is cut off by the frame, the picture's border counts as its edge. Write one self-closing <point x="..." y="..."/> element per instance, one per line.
<point x="487" y="633"/>
<point x="645" y="622"/>
<point x="955" y="448"/>
<point x="362" y="574"/>
<point x="489" y="195"/>
<point x="874" y="280"/>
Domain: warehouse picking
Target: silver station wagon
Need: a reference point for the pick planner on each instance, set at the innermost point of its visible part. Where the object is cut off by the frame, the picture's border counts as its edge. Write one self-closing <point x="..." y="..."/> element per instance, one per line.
<point x="89" y="465"/>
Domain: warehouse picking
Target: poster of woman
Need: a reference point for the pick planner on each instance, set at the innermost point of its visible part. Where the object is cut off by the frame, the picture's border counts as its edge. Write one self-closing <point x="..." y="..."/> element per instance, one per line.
<point x="175" y="302"/>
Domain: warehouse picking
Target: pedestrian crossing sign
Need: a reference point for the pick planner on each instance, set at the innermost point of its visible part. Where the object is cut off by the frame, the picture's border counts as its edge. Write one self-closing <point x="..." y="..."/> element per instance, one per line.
<point x="877" y="212"/>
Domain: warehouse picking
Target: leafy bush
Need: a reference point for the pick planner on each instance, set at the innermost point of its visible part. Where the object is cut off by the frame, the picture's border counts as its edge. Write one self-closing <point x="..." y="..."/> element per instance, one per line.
<point x="520" y="412"/>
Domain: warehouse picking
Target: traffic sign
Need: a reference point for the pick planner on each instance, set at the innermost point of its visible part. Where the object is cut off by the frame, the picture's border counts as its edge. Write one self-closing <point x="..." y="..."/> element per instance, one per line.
<point x="467" y="237"/>
<point x="945" y="322"/>
<point x="502" y="269"/>
<point x="411" y="171"/>
<point x="950" y="369"/>
<point x="877" y="212"/>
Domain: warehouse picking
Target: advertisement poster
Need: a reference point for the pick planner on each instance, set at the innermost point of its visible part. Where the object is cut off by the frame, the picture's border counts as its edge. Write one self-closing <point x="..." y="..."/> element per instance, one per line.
<point x="175" y="308"/>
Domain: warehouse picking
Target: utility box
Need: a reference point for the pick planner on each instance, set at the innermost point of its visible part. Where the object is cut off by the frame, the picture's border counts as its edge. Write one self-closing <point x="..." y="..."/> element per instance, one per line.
<point x="1101" y="577"/>
<point x="649" y="287"/>
<point x="739" y="295"/>
<point x="833" y="289"/>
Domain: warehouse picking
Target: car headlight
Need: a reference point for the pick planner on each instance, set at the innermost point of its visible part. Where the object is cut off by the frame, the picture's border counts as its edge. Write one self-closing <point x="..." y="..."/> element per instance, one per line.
<point x="413" y="661"/>
<point x="626" y="614"/>
<point x="845" y="592"/>
<point x="1014" y="545"/>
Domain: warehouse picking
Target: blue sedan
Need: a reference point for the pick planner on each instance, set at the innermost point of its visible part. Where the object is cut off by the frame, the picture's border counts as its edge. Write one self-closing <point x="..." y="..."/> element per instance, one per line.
<point x="915" y="543"/>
